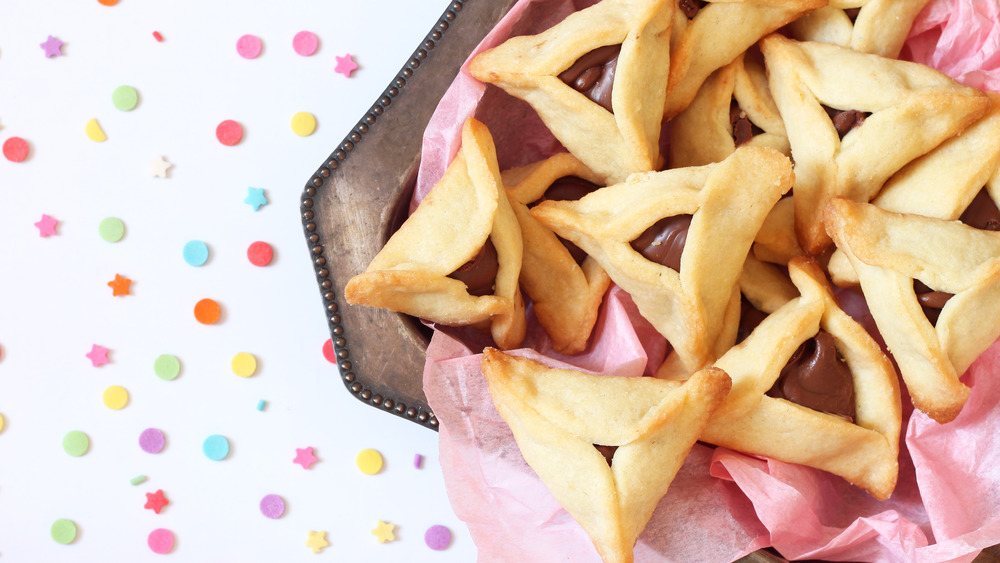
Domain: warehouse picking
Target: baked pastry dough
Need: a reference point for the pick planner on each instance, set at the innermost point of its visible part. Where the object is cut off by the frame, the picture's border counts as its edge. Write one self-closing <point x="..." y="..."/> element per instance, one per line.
<point x="912" y="108"/>
<point x="447" y="230"/>
<point x="566" y="295"/>
<point x="865" y="452"/>
<point x="612" y="143"/>
<point x="558" y="416"/>
<point x="891" y="250"/>
<point x="727" y="201"/>
<point x="716" y="35"/>
<point x="942" y="183"/>
<point x="879" y="27"/>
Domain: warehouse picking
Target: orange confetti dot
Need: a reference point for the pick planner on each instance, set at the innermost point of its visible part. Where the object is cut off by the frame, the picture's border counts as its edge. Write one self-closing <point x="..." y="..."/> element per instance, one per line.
<point x="107" y="2"/>
<point x="120" y="285"/>
<point x="207" y="311"/>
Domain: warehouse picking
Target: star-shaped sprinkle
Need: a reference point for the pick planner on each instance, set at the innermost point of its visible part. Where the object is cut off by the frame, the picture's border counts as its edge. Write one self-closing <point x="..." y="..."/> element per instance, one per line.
<point x="255" y="198"/>
<point x="156" y="501"/>
<point x="383" y="532"/>
<point x="346" y="65"/>
<point x="119" y="285"/>
<point x="52" y="47"/>
<point x="317" y="541"/>
<point x="47" y="226"/>
<point x="304" y="457"/>
<point x="98" y="355"/>
<point x="159" y="167"/>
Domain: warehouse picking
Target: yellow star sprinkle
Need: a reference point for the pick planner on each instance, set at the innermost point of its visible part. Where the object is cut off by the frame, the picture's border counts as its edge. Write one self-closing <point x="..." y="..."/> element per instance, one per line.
<point x="383" y="532"/>
<point x="317" y="541"/>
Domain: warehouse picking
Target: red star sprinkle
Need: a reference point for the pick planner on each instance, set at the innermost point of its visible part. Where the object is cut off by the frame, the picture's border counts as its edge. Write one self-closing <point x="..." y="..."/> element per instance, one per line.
<point x="345" y="65"/>
<point x="98" y="355"/>
<point x="304" y="457"/>
<point x="156" y="501"/>
<point x="119" y="285"/>
<point x="47" y="226"/>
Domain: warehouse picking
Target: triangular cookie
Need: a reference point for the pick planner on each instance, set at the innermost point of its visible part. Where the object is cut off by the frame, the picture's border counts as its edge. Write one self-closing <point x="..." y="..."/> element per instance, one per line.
<point x="760" y="417"/>
<point x="566" y="294"/>
<point x="879" y="27"/>
<point x="890" y="112"/>
<point x="890" y="251"/>
<point x="613" y="143"/>
<point x="942" y="183"/>
<point x="558" y="416"/>
<point x="725" y="202"/>
<point x="707" y="38"/>
<point x="464" y="213"/>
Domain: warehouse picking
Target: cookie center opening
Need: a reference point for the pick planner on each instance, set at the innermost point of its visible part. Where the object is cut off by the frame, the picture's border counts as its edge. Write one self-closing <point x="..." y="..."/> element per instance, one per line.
<point x="569" y="188"/>
<point x="743" y="129"/>
<point x="593" y="74"/>
<point x="664" y="241"/>
<point x="846" y="120"/>
<point x="690" y="8"/>
<point x="480" y="273"/>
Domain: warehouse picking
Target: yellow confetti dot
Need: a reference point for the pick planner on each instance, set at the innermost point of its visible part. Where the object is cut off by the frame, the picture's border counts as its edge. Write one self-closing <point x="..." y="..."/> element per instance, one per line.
<point x="369" y="461"/>
<point x="1" y="423"/>
<point x="244" y="364"/>
<point x="303" y="123"/>
<point x="115" y="397"/>
<point x="94" y="131"/>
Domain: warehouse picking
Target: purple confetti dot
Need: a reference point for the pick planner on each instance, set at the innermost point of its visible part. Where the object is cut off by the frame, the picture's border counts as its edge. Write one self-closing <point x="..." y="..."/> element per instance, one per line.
<point x="272" y="506"/>
<point x="437" y="537"/>
<point x="151" y="440"/>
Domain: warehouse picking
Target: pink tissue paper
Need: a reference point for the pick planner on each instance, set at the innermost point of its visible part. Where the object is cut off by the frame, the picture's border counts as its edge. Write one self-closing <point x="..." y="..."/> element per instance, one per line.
<point x="722" y="504"/>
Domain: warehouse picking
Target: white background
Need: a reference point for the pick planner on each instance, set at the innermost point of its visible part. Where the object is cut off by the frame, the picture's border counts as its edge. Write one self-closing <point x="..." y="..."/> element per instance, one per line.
<point x="55" y="303"/>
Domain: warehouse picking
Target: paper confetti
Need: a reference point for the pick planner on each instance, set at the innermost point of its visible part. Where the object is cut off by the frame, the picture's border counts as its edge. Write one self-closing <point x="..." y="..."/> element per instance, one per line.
<point x="305" y="43"/>
<point x="167" y="367"/>
<point x="249" y="46"/>
<point x="418" y="461"/>
<point x="156" y="501"/>
<point x="115" y="397"/>
<point x="437" y="537"/>
<point x="383" y="532"/>
<point x="98" y="355"/>
<point x="125" y="98"/>
<point x="229" y="132"/>
<point x="215" y="447"/>
<point x="346" y="65"/>
<point x="244" y="364"/>
<point x="63" y="531"/>
<point x="260" y="253"/>
<point x="158" y="36"/>
<point x="160" y="541"/>
<point x="1" y="422"/>
<point x="107" y="2"/>
<point x="328" y="352"/>
<point x="138" y="480"/>
<point x="52" y="47"/>
<point x="272" y="506"/>
<point x="196" y="253"/>
<point x="159" y="167"/>
<point x="120" y="286"/>
<point x="255" y="198"/>
<point x="15" y="149"/>
<point x="207" y="311"/>
<point x="304" y="457"/>
<point x="94" y="131"/>
<point x="75" y="443"/>
<point x="46" y="226"/>
<point x="111" y="229"/>
<point x="303" y="124"/>
<point x="369" y="461"/>
<point x="152" y="440"/>
<point x="261" y="404"/>
<point x="317" y="541"/>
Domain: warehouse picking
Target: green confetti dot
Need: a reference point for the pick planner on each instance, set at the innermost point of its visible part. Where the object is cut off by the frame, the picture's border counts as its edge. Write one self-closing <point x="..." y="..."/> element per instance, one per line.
<point x="63" y="531"/>
<point x="167" y="367"/>
<point x="111" y="229"/>
<point x="76" y="443"/>
<point x="125" y="98"/>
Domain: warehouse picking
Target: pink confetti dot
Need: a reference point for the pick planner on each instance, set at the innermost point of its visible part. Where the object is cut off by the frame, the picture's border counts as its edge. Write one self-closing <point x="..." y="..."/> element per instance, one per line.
<point x="328" y="352"/>
<point x="249" y="46"/>
<point x="437" y="537"/>
<point x="152" y="441"/>
<point x="15" y="149"/>
<point x="260" y="253"/>
<point x="305" y="43"/>
<point x="161" y="540"/>
<point x="229" y="132"/>
<point x="272" y="506"/>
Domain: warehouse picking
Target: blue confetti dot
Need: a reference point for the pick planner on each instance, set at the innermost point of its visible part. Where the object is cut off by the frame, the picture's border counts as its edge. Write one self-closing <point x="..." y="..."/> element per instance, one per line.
<point x="196" y="253"/>
<point x="216" y="447"/>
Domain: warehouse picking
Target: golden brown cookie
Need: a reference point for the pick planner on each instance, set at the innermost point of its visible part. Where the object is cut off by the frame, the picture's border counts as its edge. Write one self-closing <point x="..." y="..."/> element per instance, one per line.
<point x="958" y="270"/>
<point x="464" y="215"/>
<point x="854" y="119"/>
<point x="688" y="301"/>
<point x="811" y="387"/>
<point x="558" y="416"/>
<point x="616" y="140"/>
<point x="566" y="294"/>
<point x="878" y="27"/>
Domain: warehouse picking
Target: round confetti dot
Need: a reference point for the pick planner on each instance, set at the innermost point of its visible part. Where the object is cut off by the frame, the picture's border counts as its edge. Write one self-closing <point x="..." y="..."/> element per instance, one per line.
<point x="249" y="46"/>
<point x="272" y="506"/>
<point x="15" y="149"/>
<point x="260" y="253"/>
<point x="328" y="352"/>
<point x="303" y="123"/>
<point x="115" y="397"/>
<point x="161" y="540"/>
<point x="107" y="2"/>
<point x="196" y="253"/>
<point x="63" y="531"/>
<point x="167" y="367"/>
<point x="229" y="132"/>
<point x="152" y="441"/>
<point x="76" y="443"/>
<point x="207" y="311"/>
<point x="125" y="98"/>
<point x="111" y="229"/>
<point x="437" y="537"/>
<point x="244" y="364"/>
<point x="305" y="43"/>
<point x="216" y="447"/>
<point x="369" y="461"/>
<point x="1" y="423"/>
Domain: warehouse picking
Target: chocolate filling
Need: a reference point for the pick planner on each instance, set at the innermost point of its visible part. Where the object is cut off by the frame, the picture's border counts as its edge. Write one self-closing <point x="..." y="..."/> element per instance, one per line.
<point x="982" y="213"/>
<point x="607" y="451"/>
<point x="569" y="188"/>
<point x="852" y="13"/>
<point x="593" y="74"/>
<point x="846" y="120"/>
<point x="664" y="241"/>
<point x="690" y="8"/>
<point x="931" y="301"/>
<point x="480" y="273"/>
<point x="743" y="128"/>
